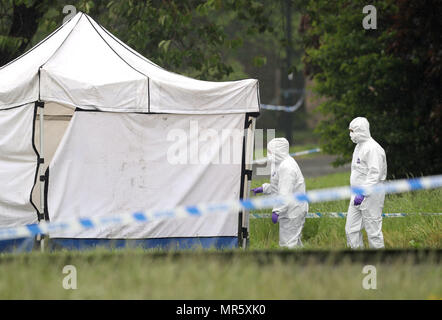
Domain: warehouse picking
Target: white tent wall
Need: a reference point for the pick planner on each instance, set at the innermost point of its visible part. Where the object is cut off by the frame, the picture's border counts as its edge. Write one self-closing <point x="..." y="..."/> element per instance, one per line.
<point x="18" y="166"/>
<point x="113" y="163"/>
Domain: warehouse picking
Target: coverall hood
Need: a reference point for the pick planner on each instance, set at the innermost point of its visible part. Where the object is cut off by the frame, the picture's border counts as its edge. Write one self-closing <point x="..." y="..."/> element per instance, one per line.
<point x="361" y="130"/>
<point x="278" y="150"/>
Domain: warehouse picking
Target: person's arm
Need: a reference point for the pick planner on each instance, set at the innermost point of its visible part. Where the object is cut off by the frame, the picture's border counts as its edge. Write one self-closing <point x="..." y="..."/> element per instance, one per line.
<point x="374" y="161"/>
<point x="266" y="188"/>
<point x="287" y="180"/>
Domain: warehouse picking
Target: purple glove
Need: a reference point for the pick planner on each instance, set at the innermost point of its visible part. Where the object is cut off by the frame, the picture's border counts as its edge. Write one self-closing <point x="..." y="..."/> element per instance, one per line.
<point x="275" y="217"/>
<point x="358" y="199"/>
<point x="257" y="190"/>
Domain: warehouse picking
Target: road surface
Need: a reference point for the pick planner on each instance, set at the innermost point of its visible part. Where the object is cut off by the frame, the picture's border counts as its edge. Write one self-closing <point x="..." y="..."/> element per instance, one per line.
<point x="318" y="165"/>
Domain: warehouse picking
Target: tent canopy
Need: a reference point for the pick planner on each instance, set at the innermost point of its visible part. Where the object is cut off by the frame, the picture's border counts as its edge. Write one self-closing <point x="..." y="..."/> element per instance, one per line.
<point x="81" y="64"/>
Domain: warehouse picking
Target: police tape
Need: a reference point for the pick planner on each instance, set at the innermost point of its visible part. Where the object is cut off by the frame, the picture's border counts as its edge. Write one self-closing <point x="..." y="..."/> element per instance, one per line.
<point x="344" y="214"/>
<point x="256" y="203"/>
<point x="301" y="153"/>
<point x="294" y="154"/>
<point x="280" y="108"/>
<point x="293" y="108"/>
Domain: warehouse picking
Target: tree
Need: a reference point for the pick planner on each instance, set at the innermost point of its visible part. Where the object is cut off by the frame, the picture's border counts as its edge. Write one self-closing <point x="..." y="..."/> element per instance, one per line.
<point x="184" y="36"/>
<point x="19" y="20"/>
<point x="388" y="77"/>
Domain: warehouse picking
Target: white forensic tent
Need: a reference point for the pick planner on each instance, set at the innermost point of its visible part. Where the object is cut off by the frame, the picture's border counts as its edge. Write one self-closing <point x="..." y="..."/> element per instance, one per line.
<point x="140" y="138"/>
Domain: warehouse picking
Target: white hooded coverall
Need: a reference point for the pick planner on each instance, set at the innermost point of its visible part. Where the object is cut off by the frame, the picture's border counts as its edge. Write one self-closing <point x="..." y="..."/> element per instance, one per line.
<point x="286" y="178"/>
<point x="368" y="168"/>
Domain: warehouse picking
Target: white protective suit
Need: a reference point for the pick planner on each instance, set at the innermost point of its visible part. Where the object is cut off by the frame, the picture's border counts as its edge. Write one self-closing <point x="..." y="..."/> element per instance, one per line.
<point x="286" y="178"/>
<point x="368" y="168"/>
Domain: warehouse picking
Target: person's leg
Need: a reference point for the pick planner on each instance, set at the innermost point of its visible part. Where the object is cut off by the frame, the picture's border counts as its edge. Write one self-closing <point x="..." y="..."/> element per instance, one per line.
<point x="372" y="216"/>
<point x="353" y="226"/>
<point x="290" y="231"/>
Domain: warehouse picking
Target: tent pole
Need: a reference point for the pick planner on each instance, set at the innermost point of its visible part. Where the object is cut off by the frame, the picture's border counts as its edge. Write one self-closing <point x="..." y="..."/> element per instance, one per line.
<point x="250" y="132"/>
<point x="251" y="148"/>
<point x="42" y="181"/>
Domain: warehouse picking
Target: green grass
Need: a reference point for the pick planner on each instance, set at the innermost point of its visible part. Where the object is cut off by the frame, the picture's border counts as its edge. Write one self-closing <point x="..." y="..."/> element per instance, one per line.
<point x="415" y="231"/>
<point x="134" y="274"/>
<point x="329" y="233"/>
<point x="238" y="274"/>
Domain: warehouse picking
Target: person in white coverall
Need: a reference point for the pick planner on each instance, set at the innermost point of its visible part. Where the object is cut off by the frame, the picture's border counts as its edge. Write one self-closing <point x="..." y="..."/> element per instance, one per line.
<point x="368" y="168"/>
<point x="286" y="178"/>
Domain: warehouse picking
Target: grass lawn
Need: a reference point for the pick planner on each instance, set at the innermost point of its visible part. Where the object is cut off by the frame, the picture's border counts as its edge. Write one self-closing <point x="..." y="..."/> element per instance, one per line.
<point x="134" y="274"/>
<point x="238" y="274"/>
<point x="414" y="231"/>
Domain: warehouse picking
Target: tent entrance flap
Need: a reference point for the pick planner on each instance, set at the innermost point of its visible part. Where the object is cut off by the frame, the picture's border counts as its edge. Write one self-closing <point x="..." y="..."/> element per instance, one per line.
<point x="51" y="123"/>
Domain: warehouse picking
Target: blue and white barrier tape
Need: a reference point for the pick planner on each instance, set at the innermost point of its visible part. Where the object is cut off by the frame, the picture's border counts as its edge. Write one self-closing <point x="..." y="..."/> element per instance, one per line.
<point x="294" y="154"/>
<point x="279" y="108"/>
<point x="255" y="203"/>
<point x="283" y="108"/>
<point x="344" y="214"/>
<point x="301" y="153"/>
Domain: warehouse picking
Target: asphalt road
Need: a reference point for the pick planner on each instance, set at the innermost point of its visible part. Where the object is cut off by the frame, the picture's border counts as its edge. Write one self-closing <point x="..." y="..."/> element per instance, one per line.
<point x="318" y="165"/>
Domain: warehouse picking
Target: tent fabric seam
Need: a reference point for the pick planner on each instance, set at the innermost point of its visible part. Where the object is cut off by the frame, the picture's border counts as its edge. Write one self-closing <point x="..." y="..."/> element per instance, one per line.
<point x="56" y="50"/>
<point x="114" y="50"/>
<point x="203" y="112"/>
<point x="137" y="54"/>
<point x="186" y="237"/>
<point x="79" y="109"/>
<point x="125" y="46"/>
<point x="18" y="106"/>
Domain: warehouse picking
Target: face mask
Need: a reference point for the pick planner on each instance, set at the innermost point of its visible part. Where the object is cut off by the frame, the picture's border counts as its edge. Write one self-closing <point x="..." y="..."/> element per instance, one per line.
<point x="353" y="137"/>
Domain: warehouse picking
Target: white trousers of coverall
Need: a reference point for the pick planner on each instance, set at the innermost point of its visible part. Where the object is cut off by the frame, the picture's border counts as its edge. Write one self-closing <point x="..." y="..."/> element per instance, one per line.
<point x="367" y="215"/>
<point x="290" y="230"/>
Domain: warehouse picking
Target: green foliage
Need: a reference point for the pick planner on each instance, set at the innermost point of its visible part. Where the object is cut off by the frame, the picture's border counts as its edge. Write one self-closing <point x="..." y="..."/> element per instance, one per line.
<point x="259" y="61"/>
<point x="19" y="20"/>
<point x="184" y="36"/>
<point x="375" y="74"/>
